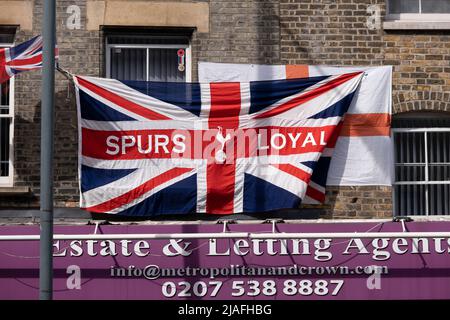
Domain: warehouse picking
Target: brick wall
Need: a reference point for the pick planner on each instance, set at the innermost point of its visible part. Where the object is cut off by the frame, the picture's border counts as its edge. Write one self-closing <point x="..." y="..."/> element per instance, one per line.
<point x="272" y="32"/>
<point x="79" y="53"/>
<point x="240" y="32"/>
<point x="336" y="33"/>
<point x="421" y="79"/>
<point x="329" y="32"/>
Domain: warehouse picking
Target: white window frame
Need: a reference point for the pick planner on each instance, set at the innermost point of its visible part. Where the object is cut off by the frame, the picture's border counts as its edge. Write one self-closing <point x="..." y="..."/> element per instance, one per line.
<point x="426" y="164"/>
<point x="8" y="181"/>
<point x="416" y="17"/>
<point x="187" y="47"/>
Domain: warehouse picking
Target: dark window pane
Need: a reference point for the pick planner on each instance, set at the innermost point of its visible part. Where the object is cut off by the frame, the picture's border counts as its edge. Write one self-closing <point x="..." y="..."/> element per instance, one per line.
<point x="4" y="146"/>
<point x="131" y="64"/>
<point x="4" y="97"/>
<point x="409" y="147"/>
<point x="427" y="119"/>
<point x="409" y="153"/>
<point x="163" y="66"/>
<point x="435" y="6"/>
<point x="410" y="200"/>
<point x="403" y="6"/>
<point x="410" y="173"/>
<point x="438" y="147"/>
<point x="139" y="39"/>
<point x="7" y="34"/>
<point x="439" y="173"/>
<point x="439" y="198"/>
<point x="128" y="64"/>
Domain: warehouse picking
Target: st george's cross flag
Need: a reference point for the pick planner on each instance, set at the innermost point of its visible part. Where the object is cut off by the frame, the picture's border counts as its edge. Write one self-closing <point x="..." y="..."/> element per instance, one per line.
<point x="363" y="155"/>
<point x="23" y="57"/>
<point x="150" y="148"/>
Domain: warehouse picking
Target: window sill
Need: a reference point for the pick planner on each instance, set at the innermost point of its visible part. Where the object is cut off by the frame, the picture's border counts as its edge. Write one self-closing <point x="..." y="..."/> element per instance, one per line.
<point x="416" y="25"/>
<point x="14" y="191"/>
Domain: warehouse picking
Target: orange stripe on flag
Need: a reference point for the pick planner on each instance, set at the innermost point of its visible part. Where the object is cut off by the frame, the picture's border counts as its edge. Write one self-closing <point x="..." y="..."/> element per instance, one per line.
<point x="366" y="124"/>
<point x="297" y="71"/>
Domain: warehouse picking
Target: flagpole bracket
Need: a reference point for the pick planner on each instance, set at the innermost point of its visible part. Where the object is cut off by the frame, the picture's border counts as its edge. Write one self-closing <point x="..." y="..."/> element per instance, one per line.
<point x="64" y="72"/>
<point x="399" y="219"/>
<point x="403" y="221"/>
<point x="225" y="223"/>
<point x="97" y="223"/>
<point x="273" y="222"/>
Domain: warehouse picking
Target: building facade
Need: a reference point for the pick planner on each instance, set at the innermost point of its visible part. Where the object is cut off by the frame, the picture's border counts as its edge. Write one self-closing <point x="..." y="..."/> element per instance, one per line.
<point x="138" y="40"/>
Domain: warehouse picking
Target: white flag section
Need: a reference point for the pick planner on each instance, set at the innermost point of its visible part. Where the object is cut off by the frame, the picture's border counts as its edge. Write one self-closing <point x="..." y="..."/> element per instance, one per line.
<point x="364" y="152"/>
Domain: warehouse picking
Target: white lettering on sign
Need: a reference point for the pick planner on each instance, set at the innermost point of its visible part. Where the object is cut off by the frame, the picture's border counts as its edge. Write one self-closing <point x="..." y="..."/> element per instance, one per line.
<point x="78" y="248"/>
<point x="379" y="249"/>
<point x="356" y="244"/>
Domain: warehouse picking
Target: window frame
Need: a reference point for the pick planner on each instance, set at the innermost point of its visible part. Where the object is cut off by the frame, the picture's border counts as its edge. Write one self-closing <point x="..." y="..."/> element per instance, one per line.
<point x="8" y="181"/>
<point x="187" y="47"/>
<point x="416" y="17"/>
<point x="426" y="182"/>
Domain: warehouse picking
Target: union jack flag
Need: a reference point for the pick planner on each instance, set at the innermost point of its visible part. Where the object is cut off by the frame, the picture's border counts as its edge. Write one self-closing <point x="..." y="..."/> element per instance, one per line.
<point x="23" y="57"/>
<point x="150" y="148"/>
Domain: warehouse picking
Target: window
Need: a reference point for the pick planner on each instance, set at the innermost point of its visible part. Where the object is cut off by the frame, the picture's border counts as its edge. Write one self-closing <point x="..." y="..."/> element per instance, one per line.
<point x="6" y="124"/>
<point x="422" y="164"/>
<point x="424" y="10"/>
<point x="148" y="57"/>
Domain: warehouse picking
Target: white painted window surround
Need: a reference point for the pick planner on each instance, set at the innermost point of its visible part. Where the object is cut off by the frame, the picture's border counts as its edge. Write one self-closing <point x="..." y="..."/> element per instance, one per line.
<point x="147" y="59"/>
<point x="417" y="15"/>
<point x="6" y="131"/>
<point x="422" y="164"/>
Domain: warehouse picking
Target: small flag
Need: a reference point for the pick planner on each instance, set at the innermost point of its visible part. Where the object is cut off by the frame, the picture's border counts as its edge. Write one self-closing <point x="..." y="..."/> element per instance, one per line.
<point x="23" y="57"/>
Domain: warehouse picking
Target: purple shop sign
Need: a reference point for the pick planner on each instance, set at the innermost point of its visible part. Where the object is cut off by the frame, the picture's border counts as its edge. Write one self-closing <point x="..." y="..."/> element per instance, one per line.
<point x="289" y="269"/>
